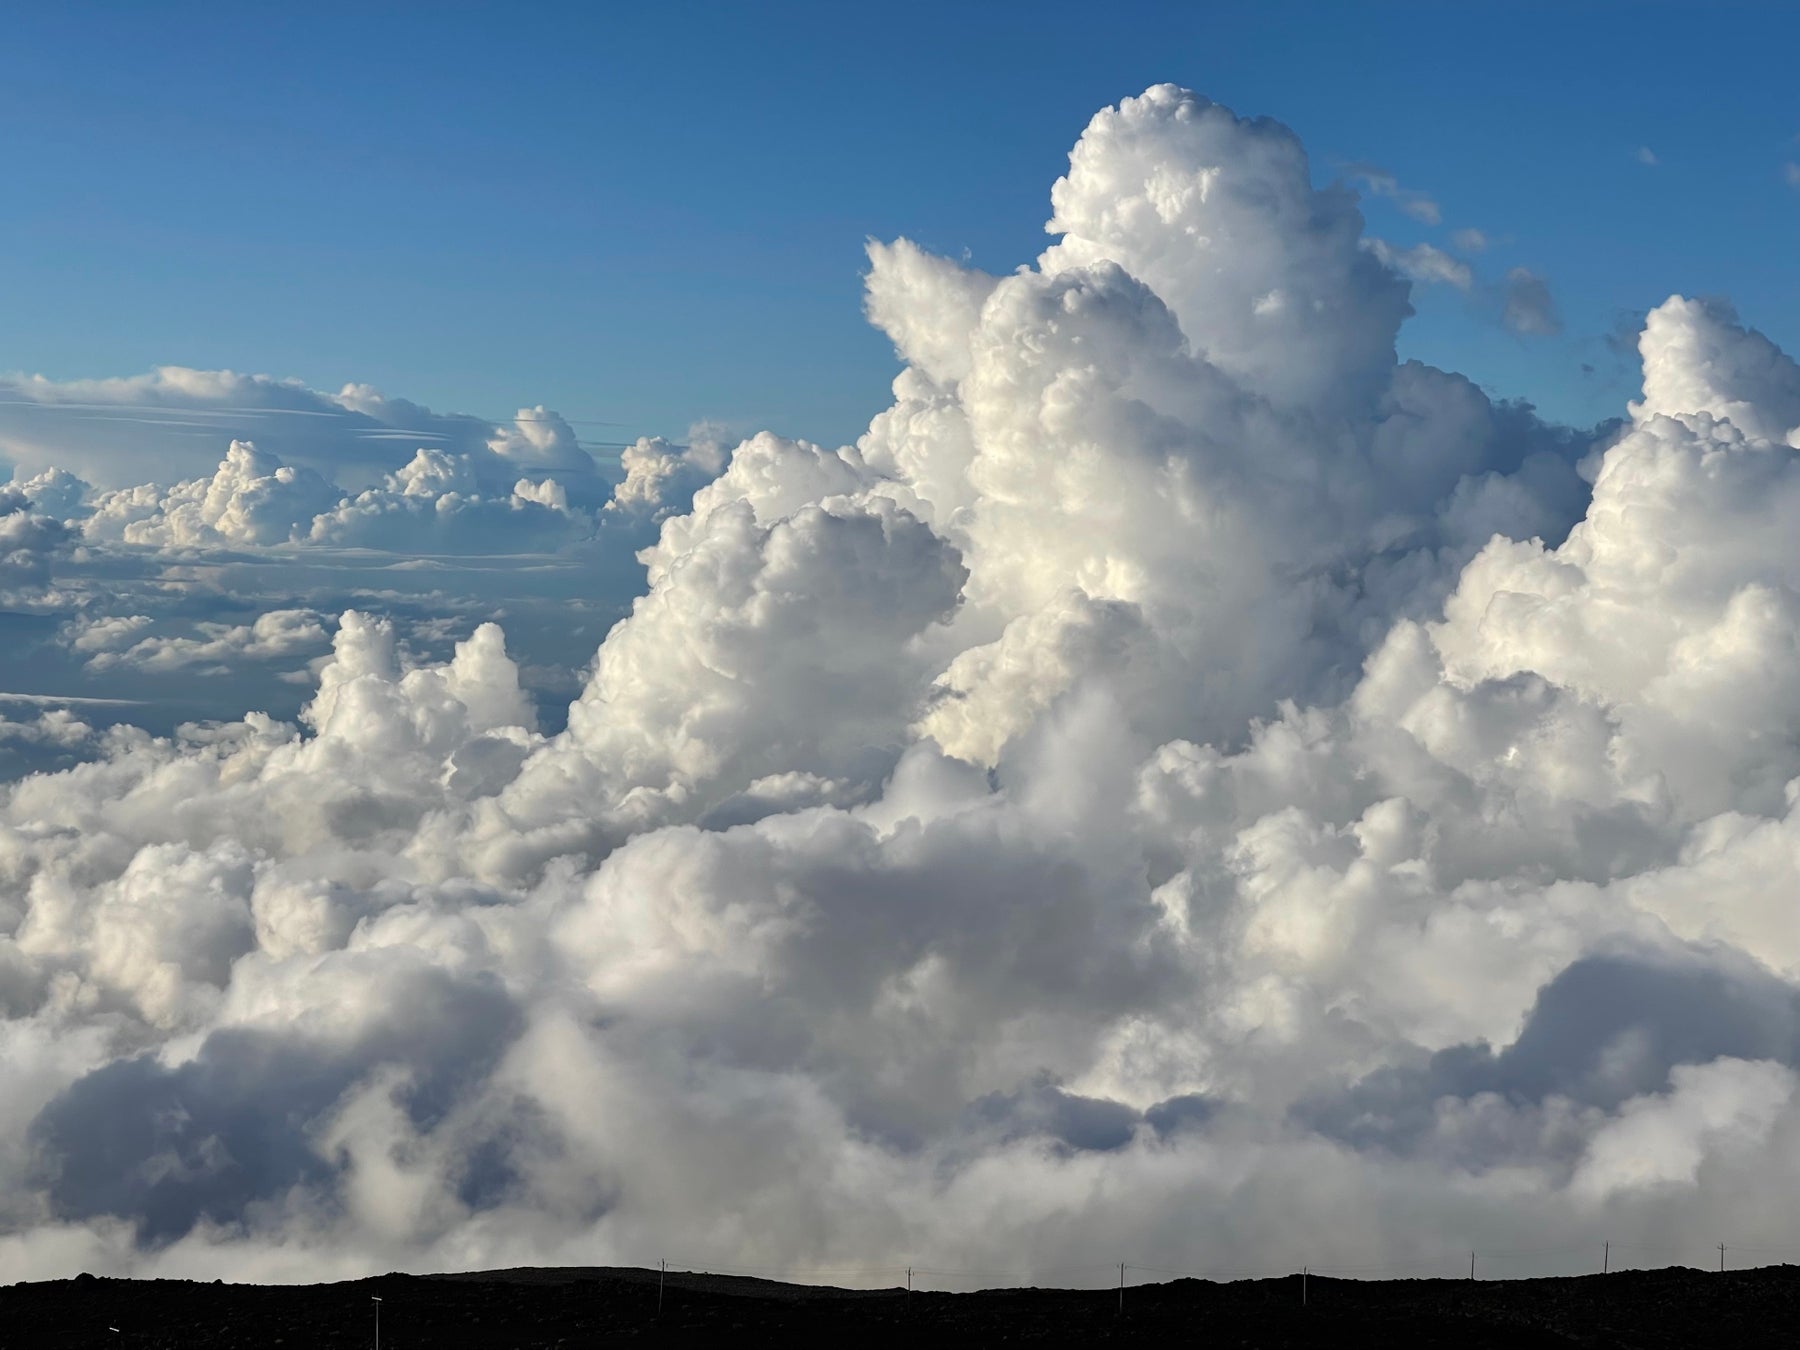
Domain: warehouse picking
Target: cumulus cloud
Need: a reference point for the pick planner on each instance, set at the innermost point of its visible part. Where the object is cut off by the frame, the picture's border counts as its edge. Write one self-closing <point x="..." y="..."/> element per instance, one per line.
<point x="30" y="542"/>
<point x="58" y="727"/>
<point x="276" y="634"/>
<point x="436" y="501"/>
<point x="1698" y="359"/>
<point x="1183" y="781"/>
<point x="106" y="430"/>
<point x="250" y="499"/>
<point x="661" y="478"/>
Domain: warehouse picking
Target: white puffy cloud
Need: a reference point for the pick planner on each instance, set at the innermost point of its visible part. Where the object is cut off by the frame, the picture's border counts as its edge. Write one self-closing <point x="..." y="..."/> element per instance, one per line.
<point x="274" y="635"/>
<point x="251" y="499"/>
<point x="1180" y="762"/>
<point x="1729" y="1105"/>
<point x="788" y="630"/>
<point x="1698" y="359"/>
<point x="1138" y="411"/>
<point x="56" y="493"/>
<point x="540" y="440"/>
<point x="57" y="727"/>
<point x="661" y="478"/>
<point x="105" y="633"/>
<point x="1217" y="217"/>
<point x="436" y="501"/>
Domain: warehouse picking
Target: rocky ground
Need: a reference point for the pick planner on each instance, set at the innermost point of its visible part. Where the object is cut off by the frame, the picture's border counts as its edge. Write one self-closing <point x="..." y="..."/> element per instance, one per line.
<point x="598" y="1306"/>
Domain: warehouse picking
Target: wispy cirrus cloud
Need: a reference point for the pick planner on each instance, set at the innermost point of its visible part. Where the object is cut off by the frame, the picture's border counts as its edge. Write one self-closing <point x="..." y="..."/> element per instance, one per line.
<point x="1378" y="182"/>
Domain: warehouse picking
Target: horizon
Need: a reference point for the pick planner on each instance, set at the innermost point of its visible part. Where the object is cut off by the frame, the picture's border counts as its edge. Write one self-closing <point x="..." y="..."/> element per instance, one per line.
<point x="1106" y="1275"/>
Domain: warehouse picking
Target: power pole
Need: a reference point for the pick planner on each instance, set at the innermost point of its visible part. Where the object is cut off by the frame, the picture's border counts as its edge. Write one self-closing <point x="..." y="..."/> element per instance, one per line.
<point x="662" y="1278"/>
<point x="909" y="1279"/>
<point x="1721" y="1258"/>
<point x="1302" y="1286"/>
<point x="1121" y="1289"/>
<point x="1606" y="1259"/>
<point x="1471" y="1265"/>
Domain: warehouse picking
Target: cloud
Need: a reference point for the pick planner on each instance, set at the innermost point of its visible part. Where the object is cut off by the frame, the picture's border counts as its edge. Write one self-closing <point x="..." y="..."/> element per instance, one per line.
<point x="1424" y="263"/>
<point x="276" y="634"/>
<point x="104" y="634"/>
<point x="660" y="478"/>
<point x="1469" y="240"/>
<point x="252" y="499"/>
<point x="1697" y="358"/>
<point x="1613" y="1032"/>
<point x="1647" y="157"/>
<point x="1664" y="1139"/>
<point x="103" y="430"/>
<point x="1378" y="182"/>
<point x="1790" y="173"/>
<point x="438" y="503"/>
<point x="1529" y="308"/>
<point x="30" y="543"/>
<point x="166" y="1148"/>
<point x="434" y="502"/>
<point x="1181" y="761"/>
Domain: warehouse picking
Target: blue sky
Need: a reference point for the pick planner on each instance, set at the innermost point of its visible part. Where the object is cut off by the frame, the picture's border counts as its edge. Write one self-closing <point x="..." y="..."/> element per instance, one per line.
<point x="643" y="216"/>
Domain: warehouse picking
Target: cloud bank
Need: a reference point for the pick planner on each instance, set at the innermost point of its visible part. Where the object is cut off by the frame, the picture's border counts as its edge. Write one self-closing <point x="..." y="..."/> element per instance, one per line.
<point x="1184" y="784"/>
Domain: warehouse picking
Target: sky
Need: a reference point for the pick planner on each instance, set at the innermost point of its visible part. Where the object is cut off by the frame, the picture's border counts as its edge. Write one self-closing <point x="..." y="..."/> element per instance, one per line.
<point x="995" y="643"/>
<point x="647" y="216"/>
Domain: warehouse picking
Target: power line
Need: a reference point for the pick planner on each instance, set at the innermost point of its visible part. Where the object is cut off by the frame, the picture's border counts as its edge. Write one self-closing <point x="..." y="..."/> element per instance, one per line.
<point x="1099" y="1276"/>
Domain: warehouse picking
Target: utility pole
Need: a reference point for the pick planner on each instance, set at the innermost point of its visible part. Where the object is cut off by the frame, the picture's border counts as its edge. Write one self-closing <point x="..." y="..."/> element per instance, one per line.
<point x="1302" y="1286"/>
<point x="909" y="1279"/>
<point x="1721" y="1258"/>
<point x="1471" y="1265"/>
<point x="1606" y="1259"/>
<point x="377" y="1302"/>
<point x="1121" y="1289"/>
<point x="661" y="1279"/>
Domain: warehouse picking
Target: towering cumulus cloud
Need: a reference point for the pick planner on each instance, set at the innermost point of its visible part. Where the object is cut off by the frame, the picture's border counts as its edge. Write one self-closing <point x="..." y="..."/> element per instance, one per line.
<point x="1183" y="786"/>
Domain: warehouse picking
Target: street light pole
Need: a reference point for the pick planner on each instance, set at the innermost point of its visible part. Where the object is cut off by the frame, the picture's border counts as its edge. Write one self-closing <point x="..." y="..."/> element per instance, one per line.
<point x="377" y="1302"/>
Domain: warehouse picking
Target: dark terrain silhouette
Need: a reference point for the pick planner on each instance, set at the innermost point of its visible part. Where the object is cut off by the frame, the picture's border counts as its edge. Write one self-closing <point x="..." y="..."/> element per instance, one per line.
<point x="603" y="1306"/>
